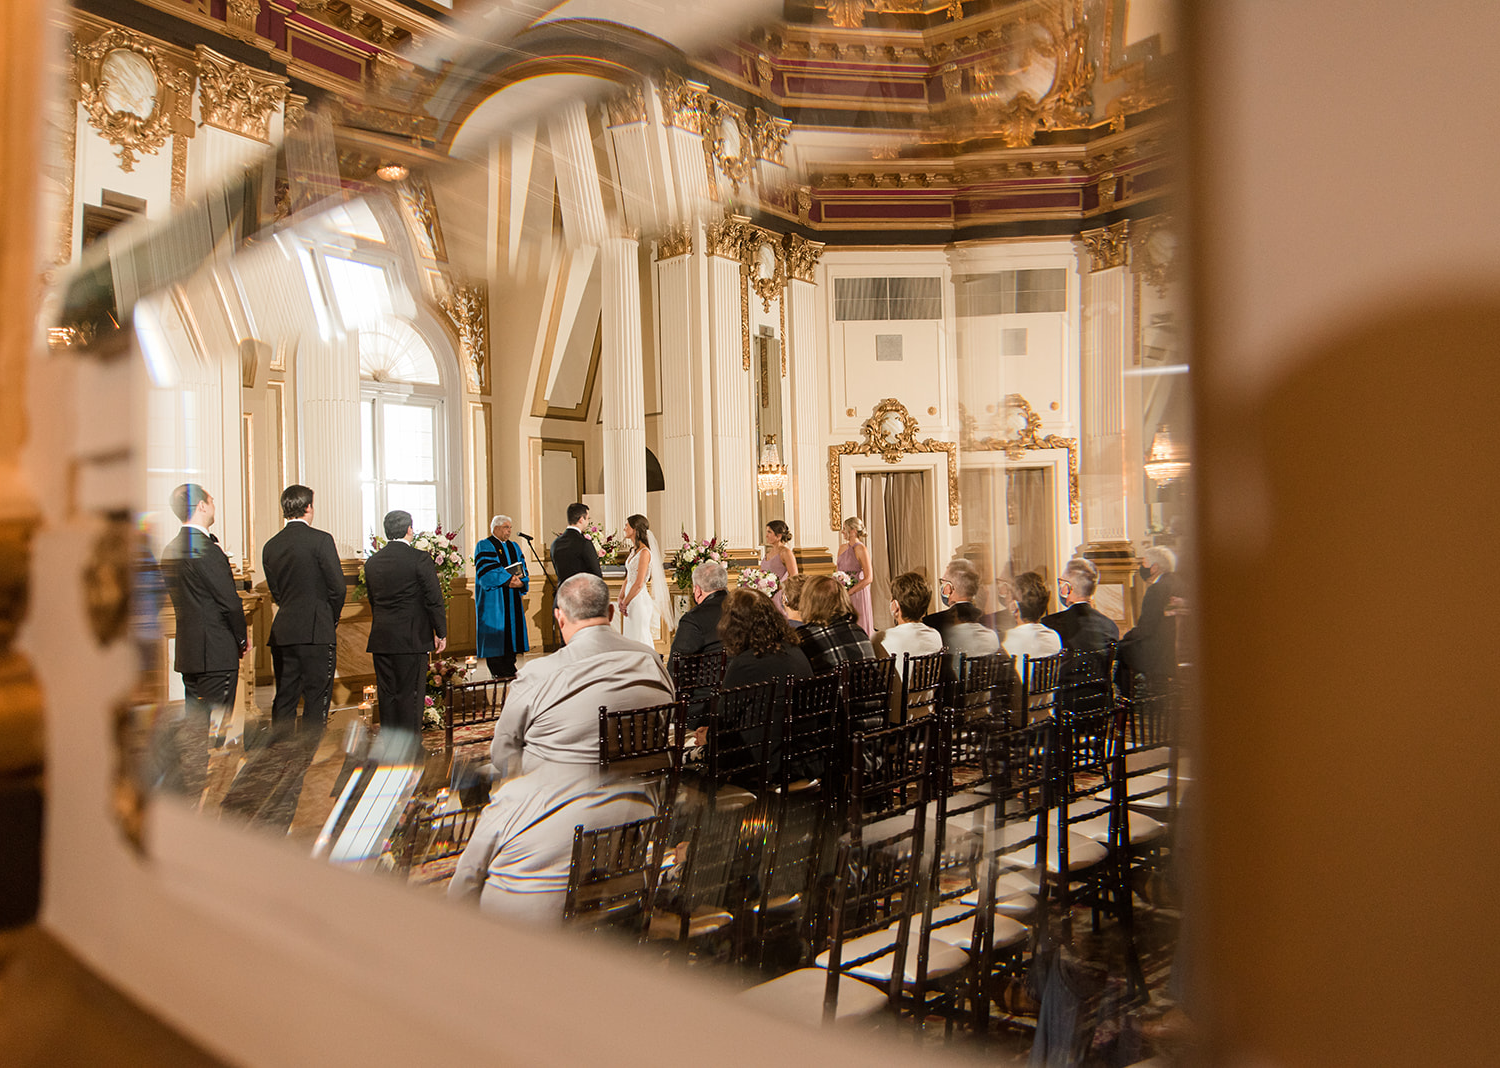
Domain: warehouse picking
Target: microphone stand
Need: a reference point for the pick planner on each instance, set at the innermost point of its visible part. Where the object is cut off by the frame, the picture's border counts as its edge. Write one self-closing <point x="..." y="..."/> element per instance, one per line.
<point x="548" y="580"/>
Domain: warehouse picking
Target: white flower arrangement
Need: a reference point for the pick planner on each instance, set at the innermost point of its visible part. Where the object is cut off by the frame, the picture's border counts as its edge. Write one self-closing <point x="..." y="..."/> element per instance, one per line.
<point x="438" y="543"/>
<point x="759" y="580"/>
<point x="692" y="553"/>
<point x="844" y="579"/>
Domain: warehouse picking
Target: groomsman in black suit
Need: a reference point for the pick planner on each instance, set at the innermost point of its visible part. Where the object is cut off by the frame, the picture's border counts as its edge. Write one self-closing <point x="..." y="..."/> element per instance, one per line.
<point x="573" y="554"/>
<point x="210" y="634"/>
<point x="409" y="622"/>
<point x="307" y="583"/>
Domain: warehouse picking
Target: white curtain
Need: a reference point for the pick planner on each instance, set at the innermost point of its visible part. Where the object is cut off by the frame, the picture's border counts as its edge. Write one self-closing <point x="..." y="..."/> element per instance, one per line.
<point x="895" y="510"/>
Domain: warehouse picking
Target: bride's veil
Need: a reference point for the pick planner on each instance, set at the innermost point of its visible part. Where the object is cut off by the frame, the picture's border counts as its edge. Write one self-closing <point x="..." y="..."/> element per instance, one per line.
<point x="658" y="584"/>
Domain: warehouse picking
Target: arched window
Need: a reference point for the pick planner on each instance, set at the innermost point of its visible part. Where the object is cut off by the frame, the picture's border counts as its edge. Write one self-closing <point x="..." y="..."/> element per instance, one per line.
<point x="401" y="425"/>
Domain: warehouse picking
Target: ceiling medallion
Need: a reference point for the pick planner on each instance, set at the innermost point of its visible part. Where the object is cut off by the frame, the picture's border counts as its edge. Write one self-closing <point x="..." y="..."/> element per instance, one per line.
<point x="128" y="90"/>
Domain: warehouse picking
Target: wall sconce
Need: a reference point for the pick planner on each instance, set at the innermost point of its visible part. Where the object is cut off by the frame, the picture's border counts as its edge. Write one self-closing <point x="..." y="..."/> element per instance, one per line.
<point x="771" y="475"/>
<point x="1167" y="461"/>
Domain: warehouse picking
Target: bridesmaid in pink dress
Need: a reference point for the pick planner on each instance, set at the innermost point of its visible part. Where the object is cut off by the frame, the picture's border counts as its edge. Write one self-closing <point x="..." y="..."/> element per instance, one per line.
<point x="854" y="559"/>
<point x="779" y="559"/>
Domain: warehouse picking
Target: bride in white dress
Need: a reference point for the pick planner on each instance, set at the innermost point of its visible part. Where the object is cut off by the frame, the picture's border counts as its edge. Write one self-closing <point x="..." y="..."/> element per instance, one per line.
<point x="643" y="604"/>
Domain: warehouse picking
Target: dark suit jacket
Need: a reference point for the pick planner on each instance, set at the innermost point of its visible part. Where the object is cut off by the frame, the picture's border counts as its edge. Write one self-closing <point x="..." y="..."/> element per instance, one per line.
<point x="405" y="600"/>
<point x="698" y="630"/>
<point x="963" y="612"/>
<point x="210" y="617"/>
<point x="573" y="554"/>
<point x="1150" y="647"/>
<point x="307" y="583"/>
<point x="1082" y="628"/>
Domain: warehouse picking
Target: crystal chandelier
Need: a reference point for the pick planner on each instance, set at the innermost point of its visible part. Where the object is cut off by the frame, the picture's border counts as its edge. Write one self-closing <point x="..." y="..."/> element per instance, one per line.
<point x="770" y="476"/>
<point x="1167" y="461"/>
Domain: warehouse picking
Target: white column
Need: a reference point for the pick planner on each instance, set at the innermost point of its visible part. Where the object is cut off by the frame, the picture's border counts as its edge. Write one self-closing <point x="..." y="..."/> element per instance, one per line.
<point x="733" y="486"/>
<point x="328" y="433"/>
<point x="805" y="453"/>
<point x="624" y="399"/>
<point x="675" y="345"/>
<point x="577" y="176"/>
<point x="1104" y="344"/>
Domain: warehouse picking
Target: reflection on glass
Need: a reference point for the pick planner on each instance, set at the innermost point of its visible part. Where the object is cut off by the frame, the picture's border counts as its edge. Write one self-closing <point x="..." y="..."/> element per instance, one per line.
<point x="933" y="265"/>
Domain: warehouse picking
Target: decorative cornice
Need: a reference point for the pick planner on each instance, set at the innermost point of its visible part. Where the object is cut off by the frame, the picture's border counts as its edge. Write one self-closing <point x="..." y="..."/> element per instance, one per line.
<point x="239" y="19"/>
<point x="467" y="307"/>
<point x="236" y="97"/>
<point x="890" y="445"/>
<point x="1106" y="246"/>
<point x="728" y="237"/>
<point x="676" y="240"/>
<point x="294" y="111"/>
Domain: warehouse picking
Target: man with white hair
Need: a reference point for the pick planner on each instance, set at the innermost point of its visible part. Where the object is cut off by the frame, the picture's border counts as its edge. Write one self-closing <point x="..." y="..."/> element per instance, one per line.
<point x="1081" y="626"/>
<point x="500" y="584"/>
<point x="1150" y="648"/>
<point x="698" y="629"/>
<point x="551" y="715"/>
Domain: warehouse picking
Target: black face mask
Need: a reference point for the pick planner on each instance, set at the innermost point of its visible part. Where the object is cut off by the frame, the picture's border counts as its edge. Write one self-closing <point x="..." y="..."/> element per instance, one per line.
<point x="1145" y="573"/>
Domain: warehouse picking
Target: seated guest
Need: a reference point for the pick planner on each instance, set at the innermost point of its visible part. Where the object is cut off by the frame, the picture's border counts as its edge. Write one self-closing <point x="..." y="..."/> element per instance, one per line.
<point x="551" y="715"/>
<point x="832" y="634"/>
<point x="759" y="642"/>
<point x="1080" y="625"/>
<point x="761" y="646"/>
<point x="910" y="596"/>
<point x="1032" y="638"/>
<point x="959" y="621"/>
<point x="698" y="630"/>
<point x="516" y="863"/>
<point x="791" y="596"/>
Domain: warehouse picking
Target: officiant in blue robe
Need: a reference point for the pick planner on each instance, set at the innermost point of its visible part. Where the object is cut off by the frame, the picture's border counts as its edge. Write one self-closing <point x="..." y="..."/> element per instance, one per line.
<point x="500" y="581"/>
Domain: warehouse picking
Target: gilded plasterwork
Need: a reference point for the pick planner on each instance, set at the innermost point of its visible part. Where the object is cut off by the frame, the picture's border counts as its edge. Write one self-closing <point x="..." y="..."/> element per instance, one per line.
<point x="768" y="278"/>
<point x="682" y="102"/>
<point x="239" y="19"/>
<point x="293" y="112"/>
<point x="676" y="240"/>
<point x="467" y="307"/>
<point x="890" y="433"/>
<point x="129" y="91"/>
<point x="1153" y="251"/>
<point x="236" y="97"/>
<point x="802" y="257"/>
<point x="1005" y="97"/>
<point x="67" y="169"/>
<point x="1025" y="426"/>
<point x="421" y="215"/>
<point x="179" y="169"/>
<point x="626" y="107"/>
<point x="1106" y="246"/>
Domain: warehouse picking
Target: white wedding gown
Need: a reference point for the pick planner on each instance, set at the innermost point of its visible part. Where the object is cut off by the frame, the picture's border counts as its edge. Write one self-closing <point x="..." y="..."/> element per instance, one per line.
<point x="641" y="618"/>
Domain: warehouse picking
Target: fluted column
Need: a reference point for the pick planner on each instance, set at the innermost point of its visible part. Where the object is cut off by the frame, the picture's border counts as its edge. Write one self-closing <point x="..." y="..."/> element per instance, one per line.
<point x="577" y="176"/>
<point x="624" y="399"/>
<point x="675" y="349"/>
<point x="734" y="441"/>
<point x="805" y="454"/>
<point x="328" y="433"/>
<point x="1103" y="346"/>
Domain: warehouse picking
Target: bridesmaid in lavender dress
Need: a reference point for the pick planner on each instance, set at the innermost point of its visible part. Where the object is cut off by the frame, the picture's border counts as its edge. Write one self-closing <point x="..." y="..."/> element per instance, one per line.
<point x="779" y="560"/>
<point x="854" y="559"/>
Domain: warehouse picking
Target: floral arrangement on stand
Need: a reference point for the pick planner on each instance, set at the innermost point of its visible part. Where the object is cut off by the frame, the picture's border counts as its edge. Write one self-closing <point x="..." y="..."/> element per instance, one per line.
<point x="440" y="673"/>
<point x="692" y="553"/>
<point x="440" y="544"/>
<point x="844" y="579"/>
<point x="759" y="580"/>
<point x="608" y="546"/>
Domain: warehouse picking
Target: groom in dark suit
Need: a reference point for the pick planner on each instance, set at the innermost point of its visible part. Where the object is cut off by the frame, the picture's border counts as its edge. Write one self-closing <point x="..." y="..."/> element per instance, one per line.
<point x="307" y="583"/>
<point x="572" y="552"/>
<point x="210" y="635"/>
<point x="410" y="621"/>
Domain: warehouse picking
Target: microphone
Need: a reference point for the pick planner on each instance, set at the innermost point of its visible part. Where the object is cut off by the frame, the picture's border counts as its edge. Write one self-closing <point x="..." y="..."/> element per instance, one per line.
<point x="520" y="535"/>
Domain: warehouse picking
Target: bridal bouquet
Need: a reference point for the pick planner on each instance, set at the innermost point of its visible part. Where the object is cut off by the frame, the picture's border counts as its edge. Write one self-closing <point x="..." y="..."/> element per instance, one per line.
<point x="692" y="553"/>
<point x="759" y="580"/>
<point x="844" y="579"/>
<point x="607" y="545"/>
<point x="440" y="544"/>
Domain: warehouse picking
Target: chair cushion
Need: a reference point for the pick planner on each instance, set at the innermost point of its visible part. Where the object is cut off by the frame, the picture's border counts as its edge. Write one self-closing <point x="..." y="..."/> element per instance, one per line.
<point x="961" y="932"/>
<point x="1141" y="828"/>
<point x="798" y="996"/>
<point x="1082" y="852"/>
<point x="942" y="958"/>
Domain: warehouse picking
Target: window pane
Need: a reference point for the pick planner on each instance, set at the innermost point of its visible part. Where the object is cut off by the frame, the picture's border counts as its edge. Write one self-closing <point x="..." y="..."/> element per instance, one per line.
<point x="367" y="440"/>
<point x="370" y="513"/>
<point x="408" y="446"/>
<point x="420" y="500"/>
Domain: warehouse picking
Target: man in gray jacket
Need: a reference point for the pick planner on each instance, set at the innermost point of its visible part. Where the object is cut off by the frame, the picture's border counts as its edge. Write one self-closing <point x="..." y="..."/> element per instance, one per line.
<point x="551" y="715"/>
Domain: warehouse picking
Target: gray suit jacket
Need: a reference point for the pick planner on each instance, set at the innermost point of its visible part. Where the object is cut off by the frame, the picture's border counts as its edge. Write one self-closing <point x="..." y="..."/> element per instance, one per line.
<point x="551" y="714"/>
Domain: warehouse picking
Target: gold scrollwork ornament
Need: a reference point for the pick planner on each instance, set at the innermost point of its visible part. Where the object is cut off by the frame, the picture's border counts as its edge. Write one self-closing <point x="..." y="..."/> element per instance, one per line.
<point x="128" y="91"/>
<point x="890" y="433"/>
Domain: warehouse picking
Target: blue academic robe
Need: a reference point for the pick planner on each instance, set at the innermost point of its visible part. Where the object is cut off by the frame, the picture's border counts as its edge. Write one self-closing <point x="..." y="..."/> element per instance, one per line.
<point x="501" y="623"/>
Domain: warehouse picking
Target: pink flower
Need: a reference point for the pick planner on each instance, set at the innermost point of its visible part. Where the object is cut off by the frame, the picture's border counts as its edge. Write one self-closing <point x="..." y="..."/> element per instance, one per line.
<point x="430" y="701"/>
